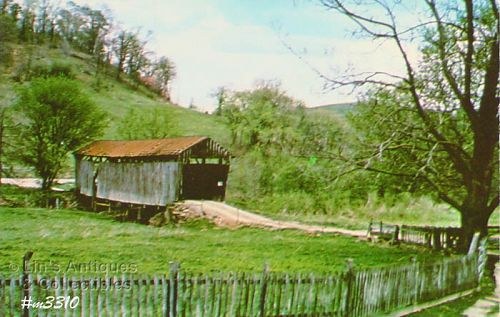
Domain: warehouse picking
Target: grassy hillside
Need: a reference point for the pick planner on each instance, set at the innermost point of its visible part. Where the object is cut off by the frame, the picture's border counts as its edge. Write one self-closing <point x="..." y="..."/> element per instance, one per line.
<point x="340" y="108"/>
<point x="115" y="97"/>
<point x="198" y="246"/>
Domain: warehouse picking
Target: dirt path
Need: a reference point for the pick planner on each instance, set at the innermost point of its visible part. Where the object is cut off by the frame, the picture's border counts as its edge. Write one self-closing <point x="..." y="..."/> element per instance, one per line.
<point x="226" y="215"/>
<point x="33" y="182"/>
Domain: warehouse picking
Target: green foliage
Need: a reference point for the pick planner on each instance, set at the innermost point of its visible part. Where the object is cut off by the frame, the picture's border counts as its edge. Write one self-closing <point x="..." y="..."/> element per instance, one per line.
<point x="260" y="117"/>
<point x="55" y="69"/>
<point x="285" y="151"/>
<point x="266" y="119"/>
<point x="157" y="123"/>
<point x="57" y="118"/>
<point x="14" y="196"/>
<point x="29" y="70"/>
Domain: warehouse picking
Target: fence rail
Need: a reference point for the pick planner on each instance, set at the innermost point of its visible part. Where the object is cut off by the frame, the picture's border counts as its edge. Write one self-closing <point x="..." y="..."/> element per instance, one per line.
<point x="433" y="237"/>
<point x="352" y="293"/>
<point x="437" y="238"/>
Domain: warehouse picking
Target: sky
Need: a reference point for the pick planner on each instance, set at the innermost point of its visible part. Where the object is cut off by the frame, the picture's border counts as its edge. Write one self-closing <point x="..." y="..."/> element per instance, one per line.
<point x="238" y="43"/>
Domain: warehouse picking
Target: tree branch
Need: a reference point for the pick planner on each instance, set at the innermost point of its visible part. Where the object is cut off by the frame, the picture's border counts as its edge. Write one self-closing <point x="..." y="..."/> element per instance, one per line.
<point x="494" y="203"/>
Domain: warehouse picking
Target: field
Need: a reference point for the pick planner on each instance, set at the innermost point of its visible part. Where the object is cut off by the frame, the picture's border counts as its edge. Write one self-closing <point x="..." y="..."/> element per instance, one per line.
<point x="71" y="236"/>
<point x="408" y="210"/>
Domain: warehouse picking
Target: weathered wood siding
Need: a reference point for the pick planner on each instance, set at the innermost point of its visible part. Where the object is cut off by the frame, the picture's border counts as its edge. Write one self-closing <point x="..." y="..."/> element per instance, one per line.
<point x="84" y="176"/>
<point x="150" y="183"/>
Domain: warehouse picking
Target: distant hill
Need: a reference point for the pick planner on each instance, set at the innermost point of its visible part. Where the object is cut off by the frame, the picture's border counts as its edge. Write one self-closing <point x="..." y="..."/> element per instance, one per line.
<point x="115" y="97"/>
<point x="340" y="108"/>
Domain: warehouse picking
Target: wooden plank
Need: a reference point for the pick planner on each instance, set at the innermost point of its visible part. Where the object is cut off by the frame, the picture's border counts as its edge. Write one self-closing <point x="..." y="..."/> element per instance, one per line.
<point x="164" y="296"/>
<point x="3" y="291"/>
<point x="234" y="295"/>
<point x="252" y="295"/>
<point x="206" y="301"/>
<point x="197" y="286"/>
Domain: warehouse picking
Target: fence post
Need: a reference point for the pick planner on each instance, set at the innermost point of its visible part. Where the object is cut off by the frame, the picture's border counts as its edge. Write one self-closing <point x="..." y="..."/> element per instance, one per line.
<point x="26" y="282"/>
<point x="349" y="283"/>
<point x="429" y="236"/>
<point x="369" y="233"/>
<point x="263" y="290"/>
<point x="174" y="274"/>
<point x="436" y="239"/>
<point x="395" y="235"/>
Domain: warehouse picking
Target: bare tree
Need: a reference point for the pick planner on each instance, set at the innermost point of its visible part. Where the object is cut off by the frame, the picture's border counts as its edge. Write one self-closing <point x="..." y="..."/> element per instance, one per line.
<point x="164" y="72"/>
<point x="137" y="60"/>
<point x="457" y="81"/>
<point x="5" y="6"/>
<point x="121" y="48"/>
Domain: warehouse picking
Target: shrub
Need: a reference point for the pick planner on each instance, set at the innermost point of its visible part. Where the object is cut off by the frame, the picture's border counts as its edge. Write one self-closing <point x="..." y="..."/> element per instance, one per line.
<point x="55" y="69"/>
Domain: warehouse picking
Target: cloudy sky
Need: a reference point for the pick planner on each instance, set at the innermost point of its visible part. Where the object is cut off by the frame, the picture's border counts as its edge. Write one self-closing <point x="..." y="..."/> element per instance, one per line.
<point x="236" y="43"/>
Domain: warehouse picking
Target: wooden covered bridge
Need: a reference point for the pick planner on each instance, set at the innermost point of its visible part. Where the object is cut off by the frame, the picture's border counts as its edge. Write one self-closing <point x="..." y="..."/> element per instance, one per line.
<point x="152" y="172"/>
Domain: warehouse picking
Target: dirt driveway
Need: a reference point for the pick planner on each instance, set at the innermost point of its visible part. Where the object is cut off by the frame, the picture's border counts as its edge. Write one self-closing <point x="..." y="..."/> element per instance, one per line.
<point x="230" y="216"/>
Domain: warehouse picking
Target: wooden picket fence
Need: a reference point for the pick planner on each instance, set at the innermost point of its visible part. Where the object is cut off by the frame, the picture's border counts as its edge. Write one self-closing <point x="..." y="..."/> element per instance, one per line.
<point x="356" y="292"/>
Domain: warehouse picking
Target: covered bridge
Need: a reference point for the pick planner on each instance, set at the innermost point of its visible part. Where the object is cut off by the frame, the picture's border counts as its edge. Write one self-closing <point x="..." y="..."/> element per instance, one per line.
<point x="152" y="172"/>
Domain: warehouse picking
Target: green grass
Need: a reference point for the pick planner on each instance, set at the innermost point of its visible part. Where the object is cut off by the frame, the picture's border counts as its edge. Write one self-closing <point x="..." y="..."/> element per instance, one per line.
<point x="408" y="210"/>
<point x="65" y="236"/>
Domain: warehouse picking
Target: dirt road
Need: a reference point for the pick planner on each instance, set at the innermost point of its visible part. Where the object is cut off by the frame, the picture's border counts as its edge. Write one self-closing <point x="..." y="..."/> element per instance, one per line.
<point x="33" y="182"/>
<point x="226" y="215"/>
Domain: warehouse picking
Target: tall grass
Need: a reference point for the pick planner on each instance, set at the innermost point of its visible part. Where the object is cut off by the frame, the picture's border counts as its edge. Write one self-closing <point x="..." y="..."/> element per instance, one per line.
<point x="398" y="209"/>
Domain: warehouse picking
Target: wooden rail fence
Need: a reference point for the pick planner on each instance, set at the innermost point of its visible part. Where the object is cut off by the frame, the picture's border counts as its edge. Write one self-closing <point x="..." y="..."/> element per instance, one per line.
<point x="356" y="292"/>
<point x="437" y="238"/>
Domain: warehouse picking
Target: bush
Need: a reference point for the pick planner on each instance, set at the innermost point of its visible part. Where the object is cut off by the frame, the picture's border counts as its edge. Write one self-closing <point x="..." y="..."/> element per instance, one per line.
<point x="43" y="70"/>
<point x="55" y="69"/>
<point x="14" y="196"/>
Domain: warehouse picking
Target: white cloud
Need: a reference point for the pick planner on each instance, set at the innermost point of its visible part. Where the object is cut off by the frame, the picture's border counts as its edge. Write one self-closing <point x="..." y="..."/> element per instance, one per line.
<point x="210" y="51"/>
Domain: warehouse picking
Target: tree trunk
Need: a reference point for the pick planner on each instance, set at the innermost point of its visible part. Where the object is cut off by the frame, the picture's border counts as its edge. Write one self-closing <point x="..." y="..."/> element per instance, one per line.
<point x="473" y="220"/>
<point x="2" y="128"/>
<point x="47" y="183"/>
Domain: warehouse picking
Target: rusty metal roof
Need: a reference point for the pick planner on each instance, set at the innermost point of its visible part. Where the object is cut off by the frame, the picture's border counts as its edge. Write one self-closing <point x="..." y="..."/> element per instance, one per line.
<point x="141" y="148"/>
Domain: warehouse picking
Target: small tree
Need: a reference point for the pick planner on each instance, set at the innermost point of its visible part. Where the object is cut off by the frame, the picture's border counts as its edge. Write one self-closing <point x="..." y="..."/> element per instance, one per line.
<point x="57" y="119"/>
<point x="220" y="94"/>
